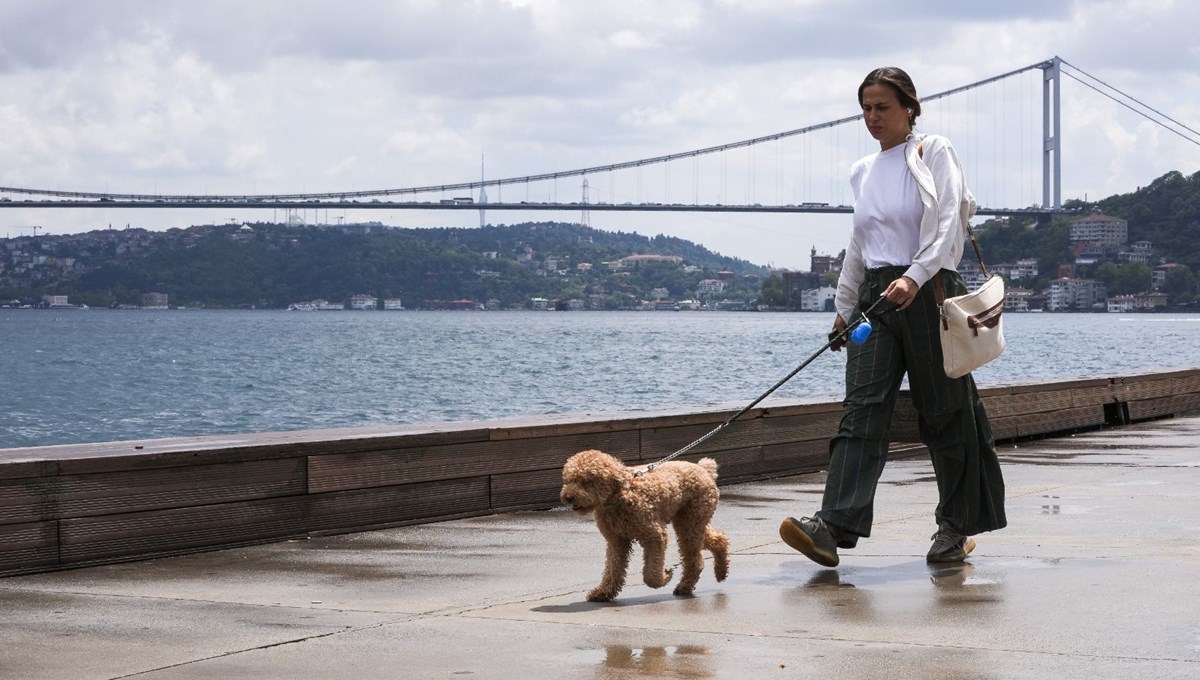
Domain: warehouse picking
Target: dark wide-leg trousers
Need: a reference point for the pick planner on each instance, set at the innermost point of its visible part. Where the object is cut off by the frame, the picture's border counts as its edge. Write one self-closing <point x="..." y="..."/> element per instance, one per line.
<point x="953" y="424"/>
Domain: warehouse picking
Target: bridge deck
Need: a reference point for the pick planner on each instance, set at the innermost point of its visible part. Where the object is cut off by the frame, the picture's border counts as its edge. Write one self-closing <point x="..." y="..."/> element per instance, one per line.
<point x="1094" y="577"/>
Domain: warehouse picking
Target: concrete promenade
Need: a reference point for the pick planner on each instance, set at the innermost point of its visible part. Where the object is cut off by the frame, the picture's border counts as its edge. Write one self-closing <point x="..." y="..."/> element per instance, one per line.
<point x="1097" y="576"/>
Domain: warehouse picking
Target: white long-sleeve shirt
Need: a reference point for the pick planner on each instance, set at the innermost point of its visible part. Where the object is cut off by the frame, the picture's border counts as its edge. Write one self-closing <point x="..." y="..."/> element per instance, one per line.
<point x="947" y="205"/>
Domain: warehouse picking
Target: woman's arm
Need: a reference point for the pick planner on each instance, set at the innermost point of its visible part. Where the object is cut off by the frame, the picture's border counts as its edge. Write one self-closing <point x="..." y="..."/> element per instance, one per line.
<point x="941" y="240"/>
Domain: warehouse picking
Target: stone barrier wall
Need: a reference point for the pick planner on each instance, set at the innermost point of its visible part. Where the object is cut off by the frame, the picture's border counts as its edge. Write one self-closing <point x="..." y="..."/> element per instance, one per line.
<point x="78" y="505"/>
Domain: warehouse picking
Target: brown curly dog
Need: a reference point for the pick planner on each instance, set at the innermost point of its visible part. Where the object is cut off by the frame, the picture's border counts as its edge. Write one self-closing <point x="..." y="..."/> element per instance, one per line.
<point x="639" y="509"/>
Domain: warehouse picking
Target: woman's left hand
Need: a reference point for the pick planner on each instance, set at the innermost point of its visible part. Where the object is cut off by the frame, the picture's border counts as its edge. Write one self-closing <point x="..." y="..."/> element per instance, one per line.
<point x="902" y="292"/>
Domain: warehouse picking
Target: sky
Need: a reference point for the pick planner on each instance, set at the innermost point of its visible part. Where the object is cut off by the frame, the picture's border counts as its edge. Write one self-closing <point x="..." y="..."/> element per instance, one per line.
<point x="299" y="96"/>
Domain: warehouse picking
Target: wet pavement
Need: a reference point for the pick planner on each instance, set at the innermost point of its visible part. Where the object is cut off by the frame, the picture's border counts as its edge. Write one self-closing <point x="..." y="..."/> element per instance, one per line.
<point x="1097" y="576"/>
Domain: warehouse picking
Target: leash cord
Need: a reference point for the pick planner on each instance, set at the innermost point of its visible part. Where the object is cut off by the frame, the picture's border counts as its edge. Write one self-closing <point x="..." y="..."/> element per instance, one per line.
<point x="834" y="339"/>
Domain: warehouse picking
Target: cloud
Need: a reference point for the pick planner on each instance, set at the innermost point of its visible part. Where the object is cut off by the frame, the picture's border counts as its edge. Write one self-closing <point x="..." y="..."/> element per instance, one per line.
<point x="273" y="96"/>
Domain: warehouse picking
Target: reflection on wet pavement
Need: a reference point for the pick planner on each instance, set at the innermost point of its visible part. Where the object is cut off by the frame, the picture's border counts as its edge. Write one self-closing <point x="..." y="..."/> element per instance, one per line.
<point x="683" y="661"/>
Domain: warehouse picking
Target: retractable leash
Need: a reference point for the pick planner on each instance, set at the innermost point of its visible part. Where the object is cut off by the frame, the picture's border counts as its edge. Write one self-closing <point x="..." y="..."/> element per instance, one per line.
<point x="858" y="331"/>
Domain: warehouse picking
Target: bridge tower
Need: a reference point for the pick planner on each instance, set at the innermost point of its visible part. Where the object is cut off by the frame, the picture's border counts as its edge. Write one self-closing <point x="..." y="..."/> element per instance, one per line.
<point x="483" y="199"/>
<point x="1051" y="131"/>
<point x="585" y="217"/>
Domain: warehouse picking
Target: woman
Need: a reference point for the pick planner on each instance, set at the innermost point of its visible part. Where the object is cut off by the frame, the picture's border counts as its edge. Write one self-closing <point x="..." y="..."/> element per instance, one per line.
<point x="910" y="202"/>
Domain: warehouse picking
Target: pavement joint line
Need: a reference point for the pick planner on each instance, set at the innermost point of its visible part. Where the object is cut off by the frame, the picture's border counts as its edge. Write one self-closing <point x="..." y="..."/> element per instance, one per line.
<point x="235" y="652"/>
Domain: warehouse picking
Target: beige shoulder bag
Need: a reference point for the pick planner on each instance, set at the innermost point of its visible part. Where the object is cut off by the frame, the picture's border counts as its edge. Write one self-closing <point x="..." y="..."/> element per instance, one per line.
<point x="972" y="328"/>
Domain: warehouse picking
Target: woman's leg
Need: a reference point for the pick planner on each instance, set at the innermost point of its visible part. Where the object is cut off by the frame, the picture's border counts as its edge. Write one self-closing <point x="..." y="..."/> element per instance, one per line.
<point x="953" y="423"/>
<point x="858" y="452"/>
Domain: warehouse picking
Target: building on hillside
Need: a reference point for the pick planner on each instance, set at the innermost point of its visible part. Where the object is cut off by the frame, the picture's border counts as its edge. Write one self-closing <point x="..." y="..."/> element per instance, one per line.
<point x="823" y="264"/>
<point x="1100" y="229"/>
<point x="393" y="303"/>
<point x="1158" y="275"/>
<point x="709" y="287"/>
<point x="1025" y="268"/>
<point x="635" y="261"/>
<point x="1138" y="251"/>
<point x="971" y="273"/>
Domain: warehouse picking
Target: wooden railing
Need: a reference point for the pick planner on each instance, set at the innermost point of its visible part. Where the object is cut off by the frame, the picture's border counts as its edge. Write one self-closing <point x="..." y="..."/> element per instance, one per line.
<point x="77" y="505"/>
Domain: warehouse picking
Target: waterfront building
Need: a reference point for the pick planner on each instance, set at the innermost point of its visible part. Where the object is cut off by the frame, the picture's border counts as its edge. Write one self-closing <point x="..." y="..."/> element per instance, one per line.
<point x="817" y="299"/>
<point x="392" y="304"/>
<point x="1016" y="299"/>
<point x="1075" y="295"/>
<point x="362" y="301"/>
<point x="154" y="300"/>
<point x="1151" y="301"/>
<point x="1121" y="304"/>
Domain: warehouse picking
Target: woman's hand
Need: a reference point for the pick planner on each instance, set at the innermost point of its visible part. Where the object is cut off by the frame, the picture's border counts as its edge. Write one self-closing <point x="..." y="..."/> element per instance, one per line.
<point x="902" y="292"/>
<point x="839" y="327"/>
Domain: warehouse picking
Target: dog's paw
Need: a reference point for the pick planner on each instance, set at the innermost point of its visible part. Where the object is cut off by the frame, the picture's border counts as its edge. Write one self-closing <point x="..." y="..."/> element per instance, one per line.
<point x="683" y="591"/>
<point x="663" y="579"/>
<point x="599" y="595"/>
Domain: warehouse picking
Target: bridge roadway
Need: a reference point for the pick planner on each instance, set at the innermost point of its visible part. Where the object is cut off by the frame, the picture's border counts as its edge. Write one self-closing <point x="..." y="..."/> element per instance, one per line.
<point x="1095" y="577"/>
<point x="451" y="204"/>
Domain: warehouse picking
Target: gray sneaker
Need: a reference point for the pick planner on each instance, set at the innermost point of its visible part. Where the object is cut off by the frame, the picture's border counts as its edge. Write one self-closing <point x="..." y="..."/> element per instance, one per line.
<point x="949" y="545"/>
<point x="811" y="536"/>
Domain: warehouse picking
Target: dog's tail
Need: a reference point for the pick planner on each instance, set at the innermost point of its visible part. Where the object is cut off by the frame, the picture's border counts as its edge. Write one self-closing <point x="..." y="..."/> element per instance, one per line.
<point x="709" y="465"/>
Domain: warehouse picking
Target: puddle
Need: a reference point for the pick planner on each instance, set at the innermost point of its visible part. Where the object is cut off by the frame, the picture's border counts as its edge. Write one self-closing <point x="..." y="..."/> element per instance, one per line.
<point x="667" y="661"/>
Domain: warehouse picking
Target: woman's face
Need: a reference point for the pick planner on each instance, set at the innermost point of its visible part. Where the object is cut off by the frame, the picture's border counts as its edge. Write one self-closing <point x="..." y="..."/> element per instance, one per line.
<point x="886" y="119"/>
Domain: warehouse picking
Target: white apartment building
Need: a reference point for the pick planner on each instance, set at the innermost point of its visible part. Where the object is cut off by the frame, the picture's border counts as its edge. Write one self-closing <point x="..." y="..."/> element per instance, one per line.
<point x="1017" y="299"/>
<point x="814" y="299"/>
<point x="364" y="302"/>
<point x="1081" y="295"/>
<point x="1100" y="229"/>
<point x="709" y="286"/>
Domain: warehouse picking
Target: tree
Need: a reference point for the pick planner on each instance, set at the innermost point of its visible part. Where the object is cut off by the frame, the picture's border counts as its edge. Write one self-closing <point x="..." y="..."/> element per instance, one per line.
<point x="1180" y="283"/>
<point x="774" y="293"/>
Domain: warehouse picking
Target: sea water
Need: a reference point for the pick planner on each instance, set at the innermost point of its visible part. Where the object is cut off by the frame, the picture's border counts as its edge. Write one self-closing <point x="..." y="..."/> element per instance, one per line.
<point x="74" y="376"/>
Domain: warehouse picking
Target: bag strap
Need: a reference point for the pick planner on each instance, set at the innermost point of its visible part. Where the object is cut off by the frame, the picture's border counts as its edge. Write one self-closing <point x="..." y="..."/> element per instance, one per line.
<point x="970" y="233"/>
<point x="939" y="296"/>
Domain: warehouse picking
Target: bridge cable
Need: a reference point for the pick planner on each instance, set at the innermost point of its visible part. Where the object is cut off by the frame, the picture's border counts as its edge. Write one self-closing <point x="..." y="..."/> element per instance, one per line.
<point x="1131" y="108"/>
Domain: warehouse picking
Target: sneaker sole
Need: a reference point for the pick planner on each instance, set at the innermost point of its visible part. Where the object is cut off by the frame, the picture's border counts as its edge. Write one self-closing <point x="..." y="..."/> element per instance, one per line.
<point x="802" y="542"/>
<point x="956" y="557"/>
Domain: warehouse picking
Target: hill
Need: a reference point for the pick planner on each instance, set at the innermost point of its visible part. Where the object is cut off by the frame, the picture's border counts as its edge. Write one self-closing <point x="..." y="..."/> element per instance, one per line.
<point x="1166" y="213"/>
<point x="274" y="265"/>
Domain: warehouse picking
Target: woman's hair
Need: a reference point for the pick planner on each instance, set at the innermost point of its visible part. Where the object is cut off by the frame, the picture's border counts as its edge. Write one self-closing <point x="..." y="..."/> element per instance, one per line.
<point x="899" y="81"/>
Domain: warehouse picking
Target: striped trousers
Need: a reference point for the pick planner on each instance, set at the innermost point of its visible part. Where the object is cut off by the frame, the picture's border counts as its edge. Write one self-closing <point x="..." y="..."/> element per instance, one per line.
<point x="953" y="424"/>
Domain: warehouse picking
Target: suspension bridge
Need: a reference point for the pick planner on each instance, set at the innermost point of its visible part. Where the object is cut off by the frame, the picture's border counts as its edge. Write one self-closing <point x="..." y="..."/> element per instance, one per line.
<point x="1007" y="142"/>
